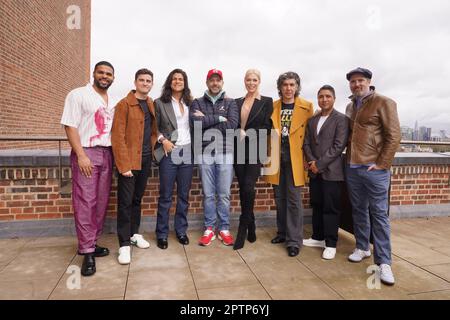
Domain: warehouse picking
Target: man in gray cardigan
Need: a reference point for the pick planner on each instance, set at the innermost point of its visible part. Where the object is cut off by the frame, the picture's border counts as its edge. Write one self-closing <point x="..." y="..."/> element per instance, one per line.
<point x="325" y="140"/>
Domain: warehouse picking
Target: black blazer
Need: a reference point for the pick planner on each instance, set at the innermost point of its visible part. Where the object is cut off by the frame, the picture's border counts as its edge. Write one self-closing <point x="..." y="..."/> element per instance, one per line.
<point x="259" y="119"/>
<point x="326" y="148"/>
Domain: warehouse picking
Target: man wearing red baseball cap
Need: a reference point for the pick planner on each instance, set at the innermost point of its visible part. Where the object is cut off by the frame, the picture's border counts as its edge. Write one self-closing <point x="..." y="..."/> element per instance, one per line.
<point x="216" y="115"/>
<point x="214" y="72"/>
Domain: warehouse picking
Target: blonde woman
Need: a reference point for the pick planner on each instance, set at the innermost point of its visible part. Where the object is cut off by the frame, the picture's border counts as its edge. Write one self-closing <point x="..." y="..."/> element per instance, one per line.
<point x="255" y="113"/>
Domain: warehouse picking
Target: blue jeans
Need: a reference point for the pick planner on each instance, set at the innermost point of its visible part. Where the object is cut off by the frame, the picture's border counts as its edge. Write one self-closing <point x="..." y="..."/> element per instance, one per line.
<point x="171" y="170"/>
<point x="368" y="191"/>
<point x="216" y="172"/>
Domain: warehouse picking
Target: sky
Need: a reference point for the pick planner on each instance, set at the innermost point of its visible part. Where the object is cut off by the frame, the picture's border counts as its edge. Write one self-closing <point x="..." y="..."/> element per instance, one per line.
<point x="405" y="44"/>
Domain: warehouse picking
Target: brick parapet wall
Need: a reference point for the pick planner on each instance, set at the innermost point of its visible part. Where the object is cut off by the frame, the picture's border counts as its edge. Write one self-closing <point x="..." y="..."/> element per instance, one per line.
<point x="418" y="185"/>
<point x="33" y="193"/>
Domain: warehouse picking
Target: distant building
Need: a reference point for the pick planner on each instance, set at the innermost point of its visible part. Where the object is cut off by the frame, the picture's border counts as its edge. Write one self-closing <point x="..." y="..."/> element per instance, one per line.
<point x="436" y="138"/>
<point x="428" y="135"/>
<point x="416" y="132"/>
<point x="424" y="134"/>
<point x="407" y="133"/>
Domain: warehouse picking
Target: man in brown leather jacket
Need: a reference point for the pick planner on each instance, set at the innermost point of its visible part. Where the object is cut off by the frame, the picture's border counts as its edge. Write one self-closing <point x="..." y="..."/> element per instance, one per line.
<point x="133" y="137"/>
<point x="374" y="139"/>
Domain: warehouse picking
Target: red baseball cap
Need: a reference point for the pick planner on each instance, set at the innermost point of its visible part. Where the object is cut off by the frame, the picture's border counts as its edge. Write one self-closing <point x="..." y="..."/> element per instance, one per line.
<point x="213" y="72"/>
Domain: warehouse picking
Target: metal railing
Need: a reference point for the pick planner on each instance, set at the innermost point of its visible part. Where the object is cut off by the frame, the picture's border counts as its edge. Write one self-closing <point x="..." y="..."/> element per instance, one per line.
<point x="429" y="143"/>
<point x="58" y="139"/>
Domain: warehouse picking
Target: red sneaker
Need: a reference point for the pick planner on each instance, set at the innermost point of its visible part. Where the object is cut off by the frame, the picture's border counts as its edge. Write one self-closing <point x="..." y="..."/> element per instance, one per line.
<point x="207" y="238"/>
<point x="226" y="237"/>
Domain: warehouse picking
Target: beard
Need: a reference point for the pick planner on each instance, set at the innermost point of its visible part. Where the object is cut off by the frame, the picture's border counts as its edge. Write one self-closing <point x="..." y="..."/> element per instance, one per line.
<point x="102" y="86"/>
<point x="361" y="93"/>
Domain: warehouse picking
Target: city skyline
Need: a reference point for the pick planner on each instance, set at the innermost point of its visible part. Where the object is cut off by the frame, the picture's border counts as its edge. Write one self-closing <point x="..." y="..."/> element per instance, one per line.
<point x="423" y="133"/>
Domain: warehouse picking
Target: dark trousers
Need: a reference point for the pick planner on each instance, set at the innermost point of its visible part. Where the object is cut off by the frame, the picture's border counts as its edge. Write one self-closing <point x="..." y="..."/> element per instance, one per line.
<point x="247" y="175"/>
<point x="289" y="207"/>
<point x="326" y="203"/>
<point x="173" y="169"/>
<point x="129" y="197"/>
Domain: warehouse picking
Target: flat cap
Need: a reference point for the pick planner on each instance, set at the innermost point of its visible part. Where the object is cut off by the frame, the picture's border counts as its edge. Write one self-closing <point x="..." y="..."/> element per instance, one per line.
<point x="365" y="72"/>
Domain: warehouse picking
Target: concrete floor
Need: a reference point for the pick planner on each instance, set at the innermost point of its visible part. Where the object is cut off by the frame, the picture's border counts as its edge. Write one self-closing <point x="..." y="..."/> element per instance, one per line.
<point x="36" y="268"/>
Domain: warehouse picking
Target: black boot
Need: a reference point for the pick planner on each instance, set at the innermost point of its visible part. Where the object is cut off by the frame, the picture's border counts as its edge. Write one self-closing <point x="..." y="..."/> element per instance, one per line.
<point x="251" y="237"/>
<point x="240" y="238"/>
<point x="88" y="267"/>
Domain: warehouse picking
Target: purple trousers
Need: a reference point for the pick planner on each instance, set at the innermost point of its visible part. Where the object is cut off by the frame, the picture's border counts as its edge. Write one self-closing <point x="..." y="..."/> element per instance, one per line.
<point x="90" y="196"/>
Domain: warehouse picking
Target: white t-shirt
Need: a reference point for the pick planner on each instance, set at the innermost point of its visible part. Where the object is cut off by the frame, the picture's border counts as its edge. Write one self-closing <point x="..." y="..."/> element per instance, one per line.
<point x="86" y="110"/>
<point x="321" y="122"/>
<point x="184" y="133"/>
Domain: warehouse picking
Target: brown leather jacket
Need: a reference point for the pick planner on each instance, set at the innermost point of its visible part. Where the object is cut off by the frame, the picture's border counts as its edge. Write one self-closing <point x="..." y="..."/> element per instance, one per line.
<point x="374" y="131"/>
<point x="127" y="132"/>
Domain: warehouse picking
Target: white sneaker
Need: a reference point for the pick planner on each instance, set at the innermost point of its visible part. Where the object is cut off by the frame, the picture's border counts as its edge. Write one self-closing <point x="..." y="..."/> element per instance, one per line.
<point x="124" y="255"/>
<point x="139" y="241"/>
<point x="329" y="253"/>
<point x="358" y="255"/>
<point x="386" y="275"/>
<point x="314" y="243"/>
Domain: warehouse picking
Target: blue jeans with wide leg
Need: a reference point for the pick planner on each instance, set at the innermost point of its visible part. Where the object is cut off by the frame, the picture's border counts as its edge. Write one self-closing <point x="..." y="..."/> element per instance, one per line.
<point x="368" y="191"/>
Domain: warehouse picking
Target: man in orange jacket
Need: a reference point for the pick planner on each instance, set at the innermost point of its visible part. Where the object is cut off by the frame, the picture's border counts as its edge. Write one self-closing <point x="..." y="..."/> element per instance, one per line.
<point x="133" y="137"/>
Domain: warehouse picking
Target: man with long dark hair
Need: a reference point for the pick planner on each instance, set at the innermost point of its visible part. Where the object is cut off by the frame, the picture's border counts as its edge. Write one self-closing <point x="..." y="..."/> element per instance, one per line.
<point x="133" y="138"/>
<point x="173" y="152"/>
<point x="290" y="116"/>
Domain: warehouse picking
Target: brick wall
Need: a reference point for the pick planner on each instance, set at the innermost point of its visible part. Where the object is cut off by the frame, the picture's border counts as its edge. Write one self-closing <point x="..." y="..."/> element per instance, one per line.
<point x="416" y="185"/>
<point x="33" y="193"/>
<point x="41" y="60"/>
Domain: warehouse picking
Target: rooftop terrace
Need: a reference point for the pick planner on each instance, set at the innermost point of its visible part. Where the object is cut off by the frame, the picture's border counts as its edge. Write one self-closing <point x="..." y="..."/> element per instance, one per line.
<point x="39" y="268"/>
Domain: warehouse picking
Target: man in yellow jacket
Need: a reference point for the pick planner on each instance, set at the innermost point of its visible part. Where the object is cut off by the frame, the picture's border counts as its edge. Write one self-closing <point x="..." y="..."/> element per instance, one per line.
<point x="289" y="118"/>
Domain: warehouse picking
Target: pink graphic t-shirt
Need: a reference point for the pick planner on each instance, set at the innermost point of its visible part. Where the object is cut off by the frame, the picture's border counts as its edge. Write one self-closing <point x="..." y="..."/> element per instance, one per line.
<point x="86" y="110"/>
